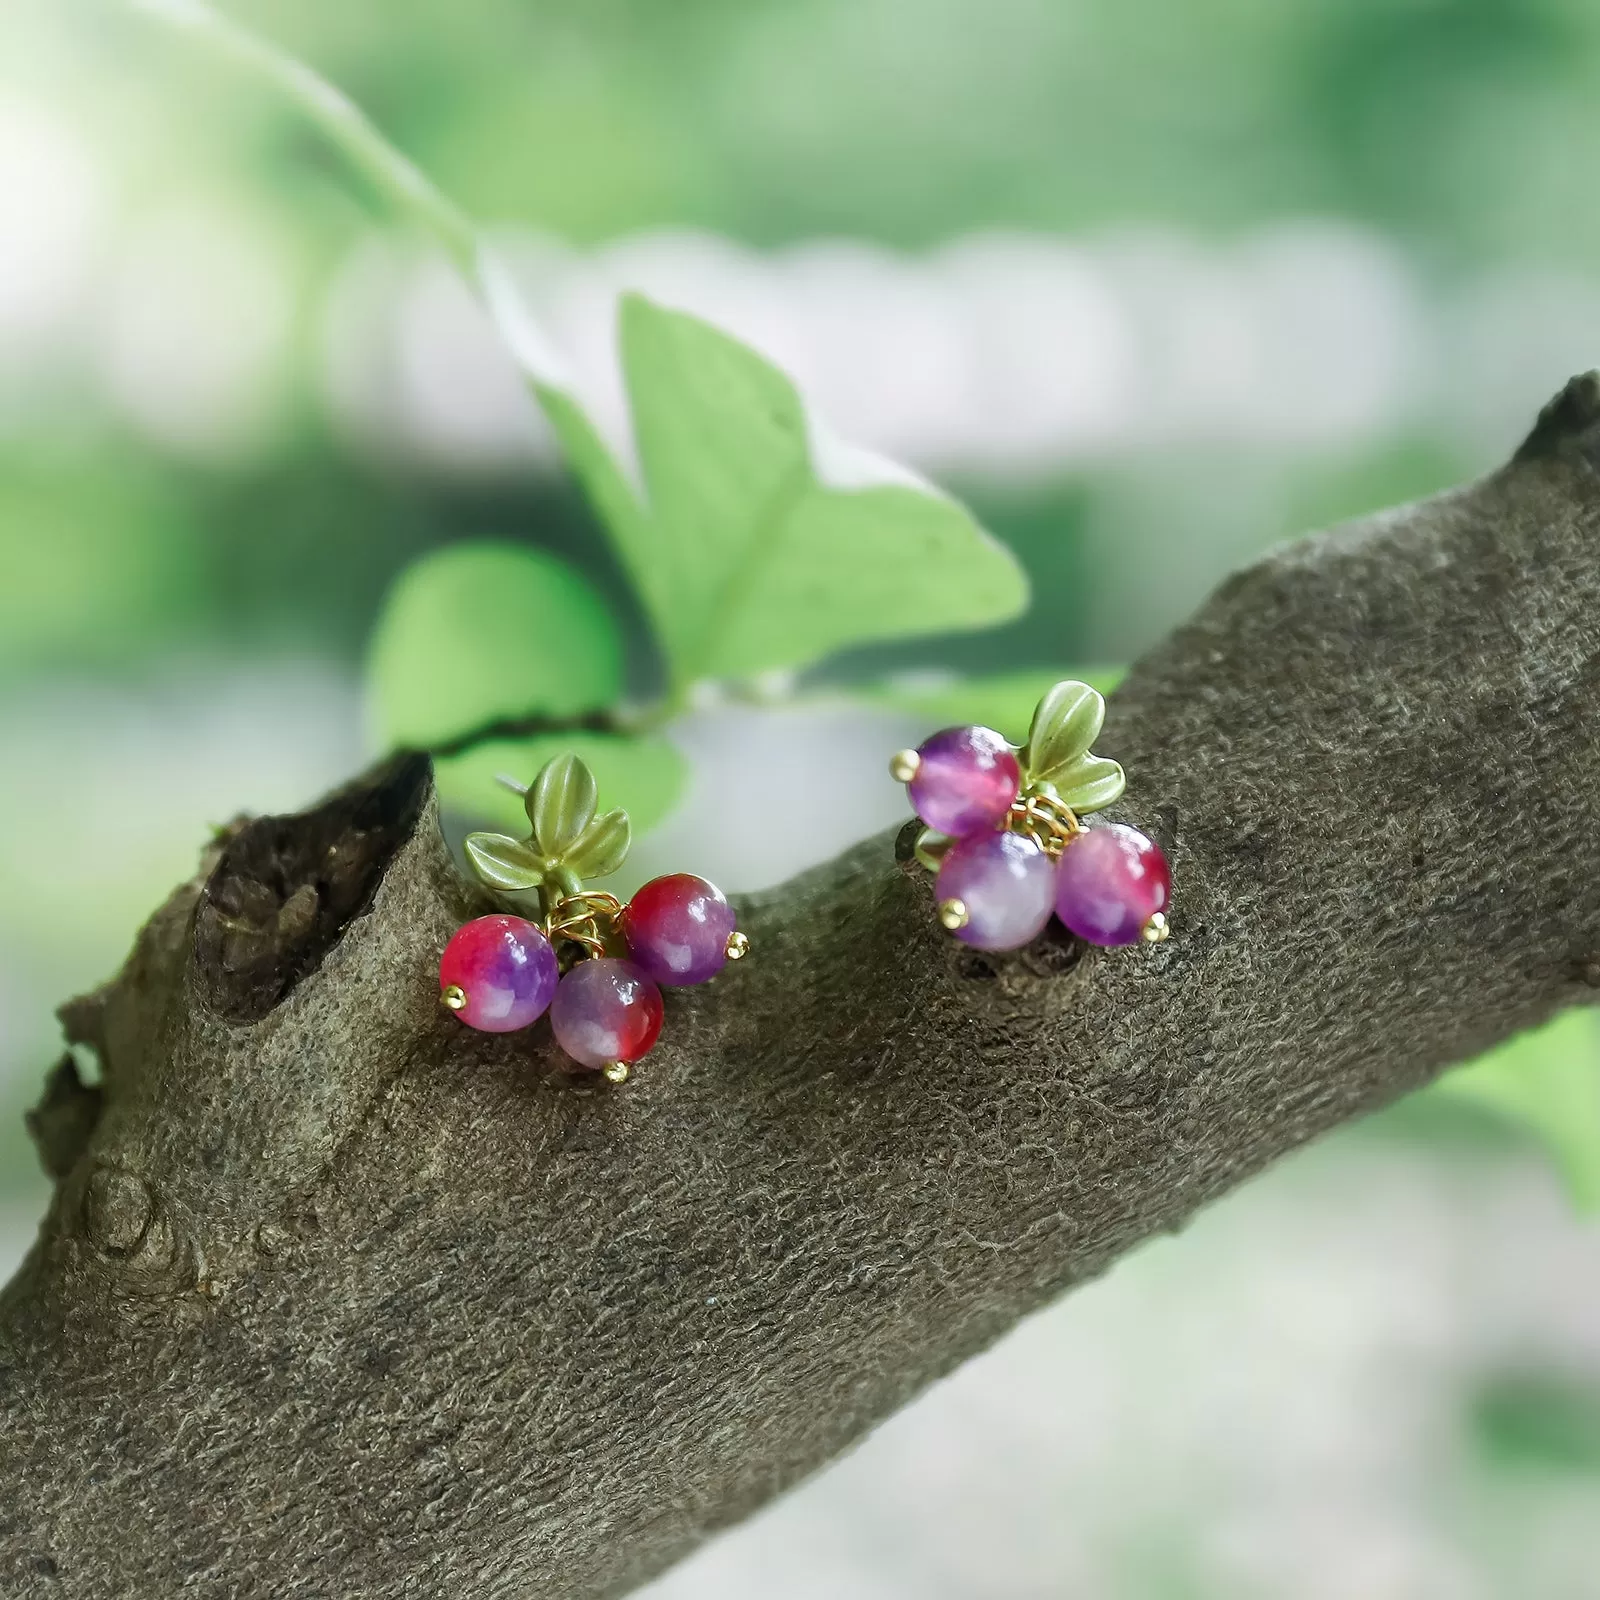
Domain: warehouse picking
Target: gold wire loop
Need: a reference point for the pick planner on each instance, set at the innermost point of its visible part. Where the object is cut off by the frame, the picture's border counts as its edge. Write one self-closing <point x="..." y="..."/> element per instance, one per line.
<point x="1044" y="819"/>
<point x="606" y="905"/>
<point x="583" y="919"/>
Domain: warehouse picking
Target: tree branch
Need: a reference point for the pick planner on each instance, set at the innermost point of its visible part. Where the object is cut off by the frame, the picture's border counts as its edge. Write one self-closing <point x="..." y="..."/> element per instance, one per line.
<point x="337" y="1297"/>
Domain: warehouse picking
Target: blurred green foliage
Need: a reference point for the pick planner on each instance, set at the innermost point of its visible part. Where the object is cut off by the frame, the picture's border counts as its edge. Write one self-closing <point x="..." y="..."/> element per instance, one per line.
<point x="1538" y="1421"/>
<point x="755" y="542"/>
<point x="1547" y="1083"/>
<point x="102" y="566"/>
<point x="476" y="633"/>
<point x="1457" y="122"/>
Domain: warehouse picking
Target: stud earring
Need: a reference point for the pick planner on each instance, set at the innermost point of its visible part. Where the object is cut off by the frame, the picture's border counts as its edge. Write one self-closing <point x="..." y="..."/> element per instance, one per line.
<point x="596" y="965"/>
<point x="1005" y="836"/>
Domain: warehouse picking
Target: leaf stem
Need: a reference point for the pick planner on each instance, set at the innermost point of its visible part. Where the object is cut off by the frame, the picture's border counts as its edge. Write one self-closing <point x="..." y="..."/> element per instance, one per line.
<point x="340" y="118"/>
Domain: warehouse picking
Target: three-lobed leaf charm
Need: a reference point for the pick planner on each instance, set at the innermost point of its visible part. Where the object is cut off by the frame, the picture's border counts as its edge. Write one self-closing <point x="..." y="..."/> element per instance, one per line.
<point x="1057" y="759"/>
<point x="1003" y="831"/>
<point x="568" y="841"/>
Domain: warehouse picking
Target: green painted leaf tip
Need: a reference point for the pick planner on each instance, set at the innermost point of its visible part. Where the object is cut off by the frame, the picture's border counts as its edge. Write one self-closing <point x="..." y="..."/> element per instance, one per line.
<point x="1090" y="784"/>
<point x="1057" y="757"/>
<point x="560" y="804"/>
<point x="602" y="847"/>
<point x="505" y="864"/>
<point x="1065" y="726"/>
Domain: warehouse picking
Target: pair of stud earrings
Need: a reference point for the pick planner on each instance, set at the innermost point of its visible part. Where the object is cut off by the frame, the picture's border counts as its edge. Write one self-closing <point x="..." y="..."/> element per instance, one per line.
<point x="1003" y="832"/>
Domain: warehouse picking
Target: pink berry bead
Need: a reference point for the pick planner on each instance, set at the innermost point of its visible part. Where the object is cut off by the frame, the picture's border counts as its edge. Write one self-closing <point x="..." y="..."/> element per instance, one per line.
<point x="498" y="974"/>
<point x="966" y="779"/>
<point x="1110" y="883"/>
<point x="606" y="1011"/>
<point x="678" y="927"/>
<point x="1006" y="886"/>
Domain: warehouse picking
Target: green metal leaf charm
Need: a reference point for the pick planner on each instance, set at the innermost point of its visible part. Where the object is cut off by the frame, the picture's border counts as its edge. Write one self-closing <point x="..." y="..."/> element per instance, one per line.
<point x="1065" y="726"/>
<point x="1090" y="783"/>
<point x="602" y="847"/>
<point x="561" y="804"/>
<point x="930" y="848"/>
<point x="504" y="864"/>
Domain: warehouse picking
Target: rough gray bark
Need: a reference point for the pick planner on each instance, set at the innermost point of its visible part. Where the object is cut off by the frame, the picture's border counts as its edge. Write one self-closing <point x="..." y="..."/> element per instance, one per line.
<point x="337" y="1298"/>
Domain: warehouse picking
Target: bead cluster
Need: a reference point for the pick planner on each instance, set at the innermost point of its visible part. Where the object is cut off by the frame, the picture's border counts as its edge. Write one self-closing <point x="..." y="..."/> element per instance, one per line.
<point x="596" y="965"/>
<point x="1004" y="832"/>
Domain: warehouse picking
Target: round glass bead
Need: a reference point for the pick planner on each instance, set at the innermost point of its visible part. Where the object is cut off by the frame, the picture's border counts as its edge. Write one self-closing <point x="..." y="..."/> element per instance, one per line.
<point x="505" y="971"/>
<point x="678" y="927"/>
<point x="606" y="1010"/>
<point x="1006" y="884"/>
<point x="966" y="779"/>
<point x="1110" y="882"/>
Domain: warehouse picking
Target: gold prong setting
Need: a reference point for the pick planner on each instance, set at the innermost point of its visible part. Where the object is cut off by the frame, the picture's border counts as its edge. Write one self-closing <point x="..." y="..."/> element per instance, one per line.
<point x="453" y="997"/>
<point x="738" y="946"/>
<point x="954" y="915"/>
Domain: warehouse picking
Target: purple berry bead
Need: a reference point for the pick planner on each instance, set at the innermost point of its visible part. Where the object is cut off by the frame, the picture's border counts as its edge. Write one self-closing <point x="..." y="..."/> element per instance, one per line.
<point x="498" y="974"/>
<point x="965" y="781"/>
<point x="606" y="1011"/>
<point x="1111" y="882"/>
<point x="1004" y="883"/>
<point x="678" y="928"/>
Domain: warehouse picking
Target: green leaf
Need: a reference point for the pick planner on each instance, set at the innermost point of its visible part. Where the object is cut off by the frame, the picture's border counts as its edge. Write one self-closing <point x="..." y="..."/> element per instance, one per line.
<point x="502" y="863"/>
<point x="1005" y="702"/>
<point x="1091" y="783"/>
<point x="475" y="632"/>
<point x="644" y="776"/>
<point x="602" y="847"/>
<point x="1547" y="1083"/>
<point x="763" y="546"/>
<point x="1064" y="729"/>
<point x="759" y="542"/>
<point x="561" y="803"/>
